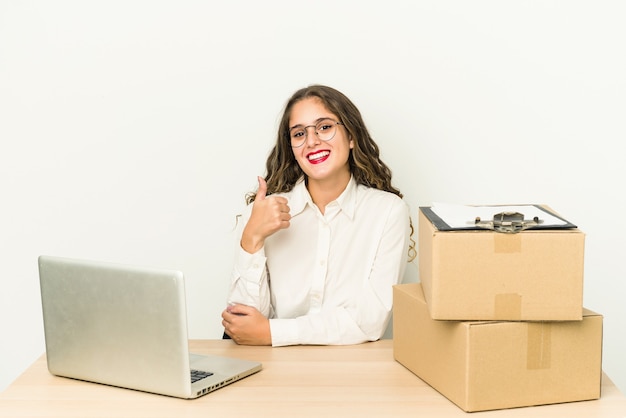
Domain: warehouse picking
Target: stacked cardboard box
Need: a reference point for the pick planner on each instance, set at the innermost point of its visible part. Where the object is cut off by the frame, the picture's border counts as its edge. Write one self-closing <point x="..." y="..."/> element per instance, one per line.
<point x="497" y="320"/>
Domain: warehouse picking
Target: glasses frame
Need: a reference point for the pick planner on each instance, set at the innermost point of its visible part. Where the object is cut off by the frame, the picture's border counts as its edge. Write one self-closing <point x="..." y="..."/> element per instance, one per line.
<point x="306" y="132"/>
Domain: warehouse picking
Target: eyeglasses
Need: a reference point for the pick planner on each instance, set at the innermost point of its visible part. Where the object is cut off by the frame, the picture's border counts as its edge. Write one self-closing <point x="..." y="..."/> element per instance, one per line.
<point x="325" y="130"/>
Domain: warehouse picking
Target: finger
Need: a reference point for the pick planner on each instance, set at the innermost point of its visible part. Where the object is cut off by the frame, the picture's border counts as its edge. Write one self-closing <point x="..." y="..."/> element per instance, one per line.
<point x="238" y="309"/>
<point x="282" y="204"/>
<point x="260" y="194"/>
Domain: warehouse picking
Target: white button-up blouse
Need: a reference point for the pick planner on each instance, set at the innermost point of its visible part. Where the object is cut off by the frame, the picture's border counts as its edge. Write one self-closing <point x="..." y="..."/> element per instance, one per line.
<point x="327" y="279"/>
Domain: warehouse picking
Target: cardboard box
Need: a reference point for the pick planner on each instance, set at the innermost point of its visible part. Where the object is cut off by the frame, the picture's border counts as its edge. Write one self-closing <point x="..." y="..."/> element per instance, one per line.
<point x="487" y="275"/>
<point x="484" y="365"/>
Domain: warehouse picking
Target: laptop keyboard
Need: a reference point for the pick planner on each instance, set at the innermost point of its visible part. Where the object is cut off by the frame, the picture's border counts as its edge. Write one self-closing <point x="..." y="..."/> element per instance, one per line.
<point x="199" y="375"/>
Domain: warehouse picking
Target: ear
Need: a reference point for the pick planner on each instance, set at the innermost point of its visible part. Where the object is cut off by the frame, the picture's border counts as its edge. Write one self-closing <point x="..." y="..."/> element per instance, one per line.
<point x="351" y="142"/>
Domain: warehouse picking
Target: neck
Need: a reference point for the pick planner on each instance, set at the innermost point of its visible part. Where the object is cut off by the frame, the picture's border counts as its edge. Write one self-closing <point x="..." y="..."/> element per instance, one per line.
<point x="325" y="191"/>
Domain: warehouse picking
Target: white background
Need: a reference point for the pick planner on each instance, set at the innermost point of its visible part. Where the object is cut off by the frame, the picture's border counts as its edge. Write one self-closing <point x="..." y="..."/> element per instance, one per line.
<point x="131" y="130"/>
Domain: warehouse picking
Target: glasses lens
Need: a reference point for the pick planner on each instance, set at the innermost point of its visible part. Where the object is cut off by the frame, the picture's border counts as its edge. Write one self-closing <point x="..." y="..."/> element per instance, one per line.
<point x="297" y="136"/>
<point x="326" y="129"/>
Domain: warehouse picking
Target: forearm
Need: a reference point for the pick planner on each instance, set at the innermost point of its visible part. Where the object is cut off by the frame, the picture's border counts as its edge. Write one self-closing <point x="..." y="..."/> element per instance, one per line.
<point x="339" y="326"/>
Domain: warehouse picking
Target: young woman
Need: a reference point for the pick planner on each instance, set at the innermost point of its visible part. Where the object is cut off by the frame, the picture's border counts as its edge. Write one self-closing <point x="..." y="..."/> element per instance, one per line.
<point x="325" y="236"/>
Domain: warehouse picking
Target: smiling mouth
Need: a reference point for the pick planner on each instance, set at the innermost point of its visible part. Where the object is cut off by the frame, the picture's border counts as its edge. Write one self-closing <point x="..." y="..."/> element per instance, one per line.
<point x="318" y="157"/>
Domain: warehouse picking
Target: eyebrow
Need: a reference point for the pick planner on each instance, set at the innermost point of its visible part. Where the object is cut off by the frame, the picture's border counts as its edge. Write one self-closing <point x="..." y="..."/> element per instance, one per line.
<point x="315" y="122"/>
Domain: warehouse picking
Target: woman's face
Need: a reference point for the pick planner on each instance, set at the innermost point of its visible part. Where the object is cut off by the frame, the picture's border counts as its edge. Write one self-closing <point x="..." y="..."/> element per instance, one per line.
<point x="320" y="160"/>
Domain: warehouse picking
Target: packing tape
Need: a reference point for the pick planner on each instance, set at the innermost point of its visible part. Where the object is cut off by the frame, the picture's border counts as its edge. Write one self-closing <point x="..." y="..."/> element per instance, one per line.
<point x="507" y="243"/>
<point x="539" y="355"/>
<point x="508" y="306"/>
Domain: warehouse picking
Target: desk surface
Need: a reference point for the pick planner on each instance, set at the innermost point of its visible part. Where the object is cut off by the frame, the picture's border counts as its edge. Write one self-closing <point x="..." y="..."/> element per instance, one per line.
<point x="303" y="381"/>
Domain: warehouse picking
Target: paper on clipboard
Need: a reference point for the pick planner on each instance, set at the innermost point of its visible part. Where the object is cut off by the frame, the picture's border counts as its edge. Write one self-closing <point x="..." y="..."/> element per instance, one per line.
<point x="464" y="216"/>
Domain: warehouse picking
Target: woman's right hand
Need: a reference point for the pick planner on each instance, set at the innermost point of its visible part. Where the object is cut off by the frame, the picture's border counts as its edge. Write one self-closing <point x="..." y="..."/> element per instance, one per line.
<point x="269" y="214"/>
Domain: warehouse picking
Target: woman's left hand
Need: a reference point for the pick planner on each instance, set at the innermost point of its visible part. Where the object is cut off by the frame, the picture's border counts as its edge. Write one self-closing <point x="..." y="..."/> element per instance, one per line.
<point x="246" y="325"/>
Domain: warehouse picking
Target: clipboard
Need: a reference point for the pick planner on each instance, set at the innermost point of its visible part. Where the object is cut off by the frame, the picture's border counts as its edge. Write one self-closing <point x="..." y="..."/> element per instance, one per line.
<point x="503" y="221"/>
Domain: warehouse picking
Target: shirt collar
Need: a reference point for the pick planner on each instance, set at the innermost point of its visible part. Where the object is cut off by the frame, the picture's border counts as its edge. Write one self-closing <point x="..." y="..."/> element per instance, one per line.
<point x="300" y="197"/>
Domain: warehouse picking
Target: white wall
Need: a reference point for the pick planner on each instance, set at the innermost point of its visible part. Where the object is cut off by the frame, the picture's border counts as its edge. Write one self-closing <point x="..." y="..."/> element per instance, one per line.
<point x="131" y="130"/>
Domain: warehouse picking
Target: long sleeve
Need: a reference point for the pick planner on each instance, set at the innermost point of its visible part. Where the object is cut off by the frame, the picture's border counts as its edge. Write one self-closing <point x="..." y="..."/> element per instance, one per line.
<point x="249" y="279"/>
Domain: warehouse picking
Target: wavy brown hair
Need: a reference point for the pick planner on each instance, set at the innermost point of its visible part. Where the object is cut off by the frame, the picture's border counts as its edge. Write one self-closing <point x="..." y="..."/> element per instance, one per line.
<point x="283" y="171"/>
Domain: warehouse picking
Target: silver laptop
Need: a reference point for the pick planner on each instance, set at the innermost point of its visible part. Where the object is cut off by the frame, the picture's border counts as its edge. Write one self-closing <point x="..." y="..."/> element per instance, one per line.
<point x="126" y="326"/>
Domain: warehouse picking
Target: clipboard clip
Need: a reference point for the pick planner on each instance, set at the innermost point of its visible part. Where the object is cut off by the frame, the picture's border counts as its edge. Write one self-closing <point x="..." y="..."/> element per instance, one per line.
<point x="508" y="222"/>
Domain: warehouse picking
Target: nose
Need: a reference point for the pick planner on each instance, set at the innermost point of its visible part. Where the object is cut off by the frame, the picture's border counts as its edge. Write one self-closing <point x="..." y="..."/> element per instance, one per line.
<point x="311" y="136"/>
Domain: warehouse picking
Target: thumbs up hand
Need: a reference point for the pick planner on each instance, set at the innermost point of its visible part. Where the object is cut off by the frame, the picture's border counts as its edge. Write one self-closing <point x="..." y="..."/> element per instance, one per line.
<point x="269" y="215"/>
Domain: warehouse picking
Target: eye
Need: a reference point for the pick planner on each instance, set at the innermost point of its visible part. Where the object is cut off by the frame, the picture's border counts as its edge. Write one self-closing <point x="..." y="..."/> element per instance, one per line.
<point x="324" y="125"/>
<point x="297" y="133"/>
